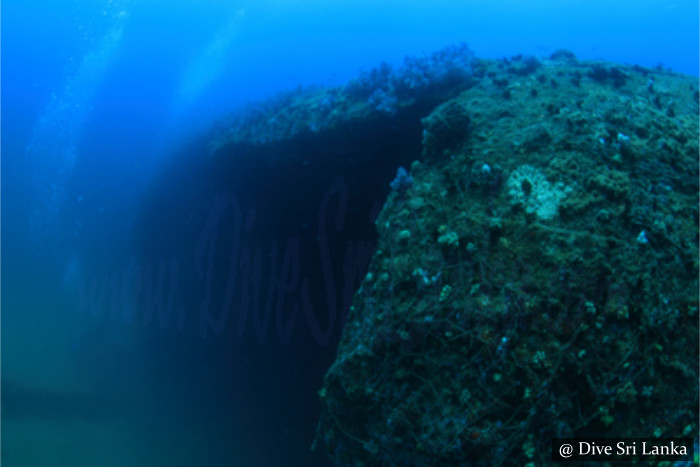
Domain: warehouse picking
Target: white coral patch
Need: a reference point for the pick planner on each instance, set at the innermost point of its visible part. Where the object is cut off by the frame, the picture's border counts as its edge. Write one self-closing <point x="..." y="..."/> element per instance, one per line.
<point x="529" y="187"/>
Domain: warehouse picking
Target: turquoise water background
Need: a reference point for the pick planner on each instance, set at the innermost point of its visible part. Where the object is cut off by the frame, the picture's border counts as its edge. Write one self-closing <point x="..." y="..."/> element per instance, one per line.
<point x="97" y="96"/>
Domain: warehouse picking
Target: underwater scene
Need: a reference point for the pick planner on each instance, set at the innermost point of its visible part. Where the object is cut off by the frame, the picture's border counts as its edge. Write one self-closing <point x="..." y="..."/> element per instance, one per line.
<point x="311" y="234"/>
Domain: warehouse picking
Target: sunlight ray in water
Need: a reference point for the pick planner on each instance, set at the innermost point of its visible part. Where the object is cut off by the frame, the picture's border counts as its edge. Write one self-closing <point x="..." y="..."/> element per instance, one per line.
<point x="53" y="147"/>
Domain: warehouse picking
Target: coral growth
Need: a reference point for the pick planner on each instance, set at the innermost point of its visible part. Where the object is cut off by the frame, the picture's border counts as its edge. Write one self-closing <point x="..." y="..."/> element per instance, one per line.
<point x="560" y="302"/>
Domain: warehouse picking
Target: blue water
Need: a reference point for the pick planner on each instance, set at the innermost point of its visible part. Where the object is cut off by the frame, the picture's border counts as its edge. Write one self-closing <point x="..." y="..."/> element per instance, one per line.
<point x="98" y="96"/>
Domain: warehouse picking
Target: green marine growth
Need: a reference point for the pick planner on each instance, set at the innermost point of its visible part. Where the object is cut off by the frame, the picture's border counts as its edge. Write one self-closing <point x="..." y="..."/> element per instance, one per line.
<point x="553" y="294"/>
